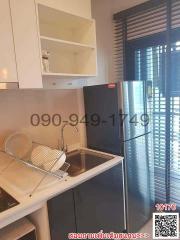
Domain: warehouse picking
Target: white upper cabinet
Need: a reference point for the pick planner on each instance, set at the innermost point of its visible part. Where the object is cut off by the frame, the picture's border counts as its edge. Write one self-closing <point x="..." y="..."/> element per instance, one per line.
<point x="62" y="29"/>
<point x="25" y="29"/>
<point x="70" y="41"/>
<point x="8" y="71"/>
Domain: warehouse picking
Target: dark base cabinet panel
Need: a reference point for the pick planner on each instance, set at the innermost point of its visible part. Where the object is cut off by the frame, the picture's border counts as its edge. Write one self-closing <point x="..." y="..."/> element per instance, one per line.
<point x="62" y="216"/>
<point x="89" y="208"/>
<point x="99" y="203"/>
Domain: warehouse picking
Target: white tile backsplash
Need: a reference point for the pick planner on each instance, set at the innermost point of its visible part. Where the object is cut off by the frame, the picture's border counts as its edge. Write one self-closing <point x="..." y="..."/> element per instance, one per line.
<point x="17" y="106"/>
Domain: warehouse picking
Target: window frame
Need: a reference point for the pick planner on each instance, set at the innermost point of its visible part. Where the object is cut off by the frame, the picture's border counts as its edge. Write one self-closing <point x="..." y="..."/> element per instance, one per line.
<point x="151" y="40"/>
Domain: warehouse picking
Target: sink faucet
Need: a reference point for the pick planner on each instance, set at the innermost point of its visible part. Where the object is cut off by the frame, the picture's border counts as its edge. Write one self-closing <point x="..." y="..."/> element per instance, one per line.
<point x="63" y="146"/>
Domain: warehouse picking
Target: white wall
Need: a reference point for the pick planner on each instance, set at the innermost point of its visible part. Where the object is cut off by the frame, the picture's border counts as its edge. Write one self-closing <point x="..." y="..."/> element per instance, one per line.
<point x="102" y="11"/>
<point x="17" y="106"/>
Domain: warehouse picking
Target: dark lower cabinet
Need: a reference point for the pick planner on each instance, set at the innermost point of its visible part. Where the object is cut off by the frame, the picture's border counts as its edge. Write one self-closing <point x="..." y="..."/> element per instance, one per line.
<point x="99" y="203"/>
<point x="92" y="206"/>
<point x="62" y="220"/>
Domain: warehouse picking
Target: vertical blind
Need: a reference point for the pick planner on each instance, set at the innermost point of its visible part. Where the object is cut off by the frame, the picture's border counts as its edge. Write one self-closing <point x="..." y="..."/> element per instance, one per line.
<point x="147" y="47"/>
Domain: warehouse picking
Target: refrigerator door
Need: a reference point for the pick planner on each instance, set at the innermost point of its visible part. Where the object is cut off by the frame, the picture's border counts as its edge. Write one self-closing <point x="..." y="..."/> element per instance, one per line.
<point x="103" y="128"/>
<point x="138" y="155"/>
<point x="136" y="109"/>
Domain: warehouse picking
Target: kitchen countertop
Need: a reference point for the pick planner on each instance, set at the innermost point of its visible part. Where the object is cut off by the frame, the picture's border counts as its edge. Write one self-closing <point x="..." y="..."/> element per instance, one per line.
<point x="17" y="174"/>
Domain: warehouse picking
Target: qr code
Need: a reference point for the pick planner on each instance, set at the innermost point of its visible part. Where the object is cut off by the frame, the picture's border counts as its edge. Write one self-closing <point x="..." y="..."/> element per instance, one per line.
<point x="165" y="225"/>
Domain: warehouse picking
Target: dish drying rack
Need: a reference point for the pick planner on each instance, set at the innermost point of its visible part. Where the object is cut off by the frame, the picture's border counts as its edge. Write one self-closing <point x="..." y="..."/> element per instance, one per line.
<point x="27" y="161"/>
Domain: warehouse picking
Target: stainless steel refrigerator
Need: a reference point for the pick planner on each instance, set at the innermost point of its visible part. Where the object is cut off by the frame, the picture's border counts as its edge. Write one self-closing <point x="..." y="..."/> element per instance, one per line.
<point x="118" y="120"/>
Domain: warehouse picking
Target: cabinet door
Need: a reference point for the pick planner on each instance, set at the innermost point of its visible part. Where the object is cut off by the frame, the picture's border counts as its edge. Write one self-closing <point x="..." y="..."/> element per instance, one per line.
<point x="8" y="71"/>
<point x="99" y="203"/>
<point x="26" y="38"/>
<point x="62" y="216"/>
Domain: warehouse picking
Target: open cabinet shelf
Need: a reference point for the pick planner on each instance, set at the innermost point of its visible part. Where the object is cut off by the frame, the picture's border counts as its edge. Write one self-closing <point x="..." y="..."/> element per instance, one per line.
<point x="68" y="45"/>
<point x="57" y="24"/>
<point x="70" y="41"/>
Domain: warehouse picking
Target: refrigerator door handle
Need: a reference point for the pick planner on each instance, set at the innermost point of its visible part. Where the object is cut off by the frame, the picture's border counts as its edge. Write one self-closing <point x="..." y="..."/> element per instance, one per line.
<point x="120" y="124"/>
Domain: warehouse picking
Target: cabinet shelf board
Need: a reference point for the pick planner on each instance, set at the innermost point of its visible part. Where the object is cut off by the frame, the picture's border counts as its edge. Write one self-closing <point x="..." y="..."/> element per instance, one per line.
<point x="66" y="45"/>
<point x="68" y="75"/>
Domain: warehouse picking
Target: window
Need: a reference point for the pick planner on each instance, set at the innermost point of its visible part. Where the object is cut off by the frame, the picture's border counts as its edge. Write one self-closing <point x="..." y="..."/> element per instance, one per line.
<point x="150" y="66"/>
<point x="149" y="35"/>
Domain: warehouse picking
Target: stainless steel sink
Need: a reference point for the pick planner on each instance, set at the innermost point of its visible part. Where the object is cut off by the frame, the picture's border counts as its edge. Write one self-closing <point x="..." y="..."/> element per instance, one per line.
<point x="83" y="160"/>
